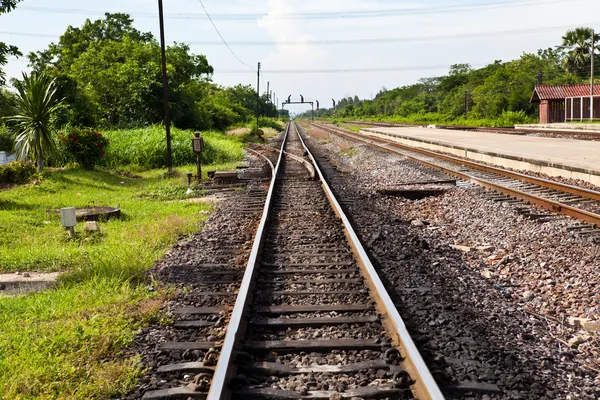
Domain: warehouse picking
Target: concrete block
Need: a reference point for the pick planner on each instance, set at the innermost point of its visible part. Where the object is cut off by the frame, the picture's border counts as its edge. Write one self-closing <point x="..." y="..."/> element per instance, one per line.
<point x="91" y="226"/>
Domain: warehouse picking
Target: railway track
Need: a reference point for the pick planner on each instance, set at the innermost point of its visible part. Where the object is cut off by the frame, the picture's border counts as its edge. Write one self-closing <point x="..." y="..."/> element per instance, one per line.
<point x="312" y="319"/>
<point x="582" y="204"/>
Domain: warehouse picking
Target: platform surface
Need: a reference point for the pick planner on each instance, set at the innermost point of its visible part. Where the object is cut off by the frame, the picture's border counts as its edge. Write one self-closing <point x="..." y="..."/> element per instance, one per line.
<point x="579" y="154"/>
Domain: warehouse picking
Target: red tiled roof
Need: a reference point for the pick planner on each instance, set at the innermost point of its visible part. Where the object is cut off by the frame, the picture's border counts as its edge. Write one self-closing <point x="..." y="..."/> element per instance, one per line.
<point x="546" y="92"/>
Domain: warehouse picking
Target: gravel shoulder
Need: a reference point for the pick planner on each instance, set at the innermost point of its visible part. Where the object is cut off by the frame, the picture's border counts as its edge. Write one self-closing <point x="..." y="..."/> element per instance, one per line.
<point x="192" y="272"/>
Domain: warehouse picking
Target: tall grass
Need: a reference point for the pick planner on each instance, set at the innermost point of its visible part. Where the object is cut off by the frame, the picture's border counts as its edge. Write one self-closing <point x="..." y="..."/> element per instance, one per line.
<point x="145" y="148"/>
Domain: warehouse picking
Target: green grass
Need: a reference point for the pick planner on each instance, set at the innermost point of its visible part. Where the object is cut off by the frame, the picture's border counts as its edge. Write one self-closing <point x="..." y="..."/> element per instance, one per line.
<point x="353" y="128"/>
<point x="144" y="148"/>
<point x="66" y="342"/>
<point x="506" y="119"/>
<point x="349" y="152"/>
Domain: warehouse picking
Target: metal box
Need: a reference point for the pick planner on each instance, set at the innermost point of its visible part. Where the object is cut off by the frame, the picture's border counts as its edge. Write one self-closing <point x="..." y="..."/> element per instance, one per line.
<point x="68" y="217"/>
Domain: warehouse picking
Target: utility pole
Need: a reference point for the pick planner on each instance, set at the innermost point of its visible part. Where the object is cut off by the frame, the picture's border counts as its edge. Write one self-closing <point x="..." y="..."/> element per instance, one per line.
<point x="268" y="88"/>
<point x="258" y="95"/>
<point x="592" y="51"/>
<point x="165" y="85"/>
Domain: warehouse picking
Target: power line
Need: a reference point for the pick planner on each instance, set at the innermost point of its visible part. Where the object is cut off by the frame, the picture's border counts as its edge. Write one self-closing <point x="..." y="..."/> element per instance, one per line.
<point x="354" y="14"/>
<point x="327" y="71"/>
<point x="405" y="39"/>
<point x="346" y="70"/>
<point x="221" y="36"/>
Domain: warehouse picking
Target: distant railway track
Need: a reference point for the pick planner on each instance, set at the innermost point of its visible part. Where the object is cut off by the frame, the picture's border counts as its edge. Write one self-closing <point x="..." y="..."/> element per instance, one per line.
<point x="582" y="204"/>
<point x="312" y="318"/>
<point x="500" y="130"/>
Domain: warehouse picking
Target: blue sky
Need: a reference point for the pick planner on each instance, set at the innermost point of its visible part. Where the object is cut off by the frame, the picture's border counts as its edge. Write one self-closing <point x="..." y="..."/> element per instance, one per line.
<point x="476" y="32"/>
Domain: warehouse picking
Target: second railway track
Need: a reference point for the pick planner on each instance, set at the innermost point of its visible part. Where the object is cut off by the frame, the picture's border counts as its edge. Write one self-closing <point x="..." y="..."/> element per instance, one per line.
<point x="580" y="203"/>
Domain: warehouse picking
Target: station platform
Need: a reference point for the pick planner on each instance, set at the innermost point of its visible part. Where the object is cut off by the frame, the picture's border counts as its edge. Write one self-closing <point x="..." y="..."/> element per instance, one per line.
<point x="568" y="158"/>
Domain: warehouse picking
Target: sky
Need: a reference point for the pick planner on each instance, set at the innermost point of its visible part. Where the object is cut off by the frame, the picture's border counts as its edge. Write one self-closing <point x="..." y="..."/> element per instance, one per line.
<point x="322" y="49"/>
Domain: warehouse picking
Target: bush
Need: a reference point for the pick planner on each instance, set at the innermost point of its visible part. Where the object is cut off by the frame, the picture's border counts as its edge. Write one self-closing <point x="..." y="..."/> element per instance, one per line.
<point x="512" y="118"/>
<point x="87" y="146"/>
<point x="18" y="172"/>
<point x="6" y="140"/>
<point x="266" y="122"/>
<point x="6" y="143"/>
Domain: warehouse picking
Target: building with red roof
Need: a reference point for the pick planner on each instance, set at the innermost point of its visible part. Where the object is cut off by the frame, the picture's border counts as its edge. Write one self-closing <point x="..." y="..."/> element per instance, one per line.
<point x="563" y="103"/>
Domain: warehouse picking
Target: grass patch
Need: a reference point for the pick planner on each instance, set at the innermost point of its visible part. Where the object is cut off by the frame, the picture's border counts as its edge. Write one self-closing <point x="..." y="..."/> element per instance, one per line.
<point x="144" y="148"/>
<point x="353" y="128"/>
<point x="349" y="152"/>
<point x="506" y="119"/>
<point x="65" y="343"/>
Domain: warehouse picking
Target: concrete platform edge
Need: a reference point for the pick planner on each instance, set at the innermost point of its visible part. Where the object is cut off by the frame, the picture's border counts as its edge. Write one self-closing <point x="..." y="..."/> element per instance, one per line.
<point x="502" y="160"/>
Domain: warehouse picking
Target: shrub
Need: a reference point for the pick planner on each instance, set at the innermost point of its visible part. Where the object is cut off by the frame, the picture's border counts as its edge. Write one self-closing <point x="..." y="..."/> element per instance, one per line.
<point x="17" y="172"/>
<point x="6" y="143"/>
<point x="87" y="146"/>
<point x="512" y="118"/>
<point x="266" y="122"/>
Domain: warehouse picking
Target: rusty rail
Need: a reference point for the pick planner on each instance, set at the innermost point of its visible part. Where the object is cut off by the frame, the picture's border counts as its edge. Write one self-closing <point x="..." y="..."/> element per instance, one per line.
<point x="390" y="146"/>
<point x="237" y="324"/>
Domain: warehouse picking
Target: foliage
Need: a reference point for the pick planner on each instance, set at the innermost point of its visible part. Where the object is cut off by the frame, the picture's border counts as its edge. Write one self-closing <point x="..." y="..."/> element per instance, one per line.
<point x="144" y="148"/>
<point x="110" y="75"/>
<point x="86" y="146"/>
<point x="17" y="172"/>
<point x="266" y="122"/>
<point x="35" y="103"/>
<point x="7" y="142"/>
<point x="7" y="103"/>
<point x="578" y="58"/>
<point x="5" y="49"/>
<point x="79" y="329"/>
<point x="512" y="118"/>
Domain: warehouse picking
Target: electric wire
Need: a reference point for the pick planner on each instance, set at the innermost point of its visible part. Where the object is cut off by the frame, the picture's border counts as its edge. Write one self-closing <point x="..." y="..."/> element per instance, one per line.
<point x="353" y="14"/>
<point x="221" y="36"/>
<point x="382" y="40"/>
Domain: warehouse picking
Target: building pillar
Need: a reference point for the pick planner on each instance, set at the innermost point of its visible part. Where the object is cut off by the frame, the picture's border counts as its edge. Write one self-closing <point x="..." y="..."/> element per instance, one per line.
<point x="544" y="112"/>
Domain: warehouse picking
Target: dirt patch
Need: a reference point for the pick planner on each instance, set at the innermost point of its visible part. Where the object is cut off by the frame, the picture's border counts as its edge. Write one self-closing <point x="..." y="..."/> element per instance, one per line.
<point x="239" y="131"/>
<point x="206" y="199"/>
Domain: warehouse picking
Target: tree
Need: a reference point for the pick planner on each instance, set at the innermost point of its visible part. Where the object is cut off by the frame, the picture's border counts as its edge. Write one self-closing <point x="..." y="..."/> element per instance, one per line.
<point x="577" y="60"/>
<point x="35" y="103"/>
<point x="110" y="75"/>
<point x="7" y="6"/>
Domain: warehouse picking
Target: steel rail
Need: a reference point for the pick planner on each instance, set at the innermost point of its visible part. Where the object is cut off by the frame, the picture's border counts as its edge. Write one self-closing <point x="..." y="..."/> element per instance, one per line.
<point x="301" y="160"/>
<point x="235" y="330"/>
<point x="425" y="386"/>
<point x="258" y="153"/>
<point x="550" y="205"/>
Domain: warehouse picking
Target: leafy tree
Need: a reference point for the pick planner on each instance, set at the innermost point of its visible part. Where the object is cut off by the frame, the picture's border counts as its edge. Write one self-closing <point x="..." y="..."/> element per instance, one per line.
<point x="7" y="6"/>
<point x="110" y="74"/>
<point x="35" y="103"/>
<point x="578" y="59"/>
<point x="76" y="41"/>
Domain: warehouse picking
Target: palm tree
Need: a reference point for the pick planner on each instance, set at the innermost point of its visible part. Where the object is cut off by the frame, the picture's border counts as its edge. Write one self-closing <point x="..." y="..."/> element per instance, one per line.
<point x="577" y="60"/>
<point x="36" y="101"/>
